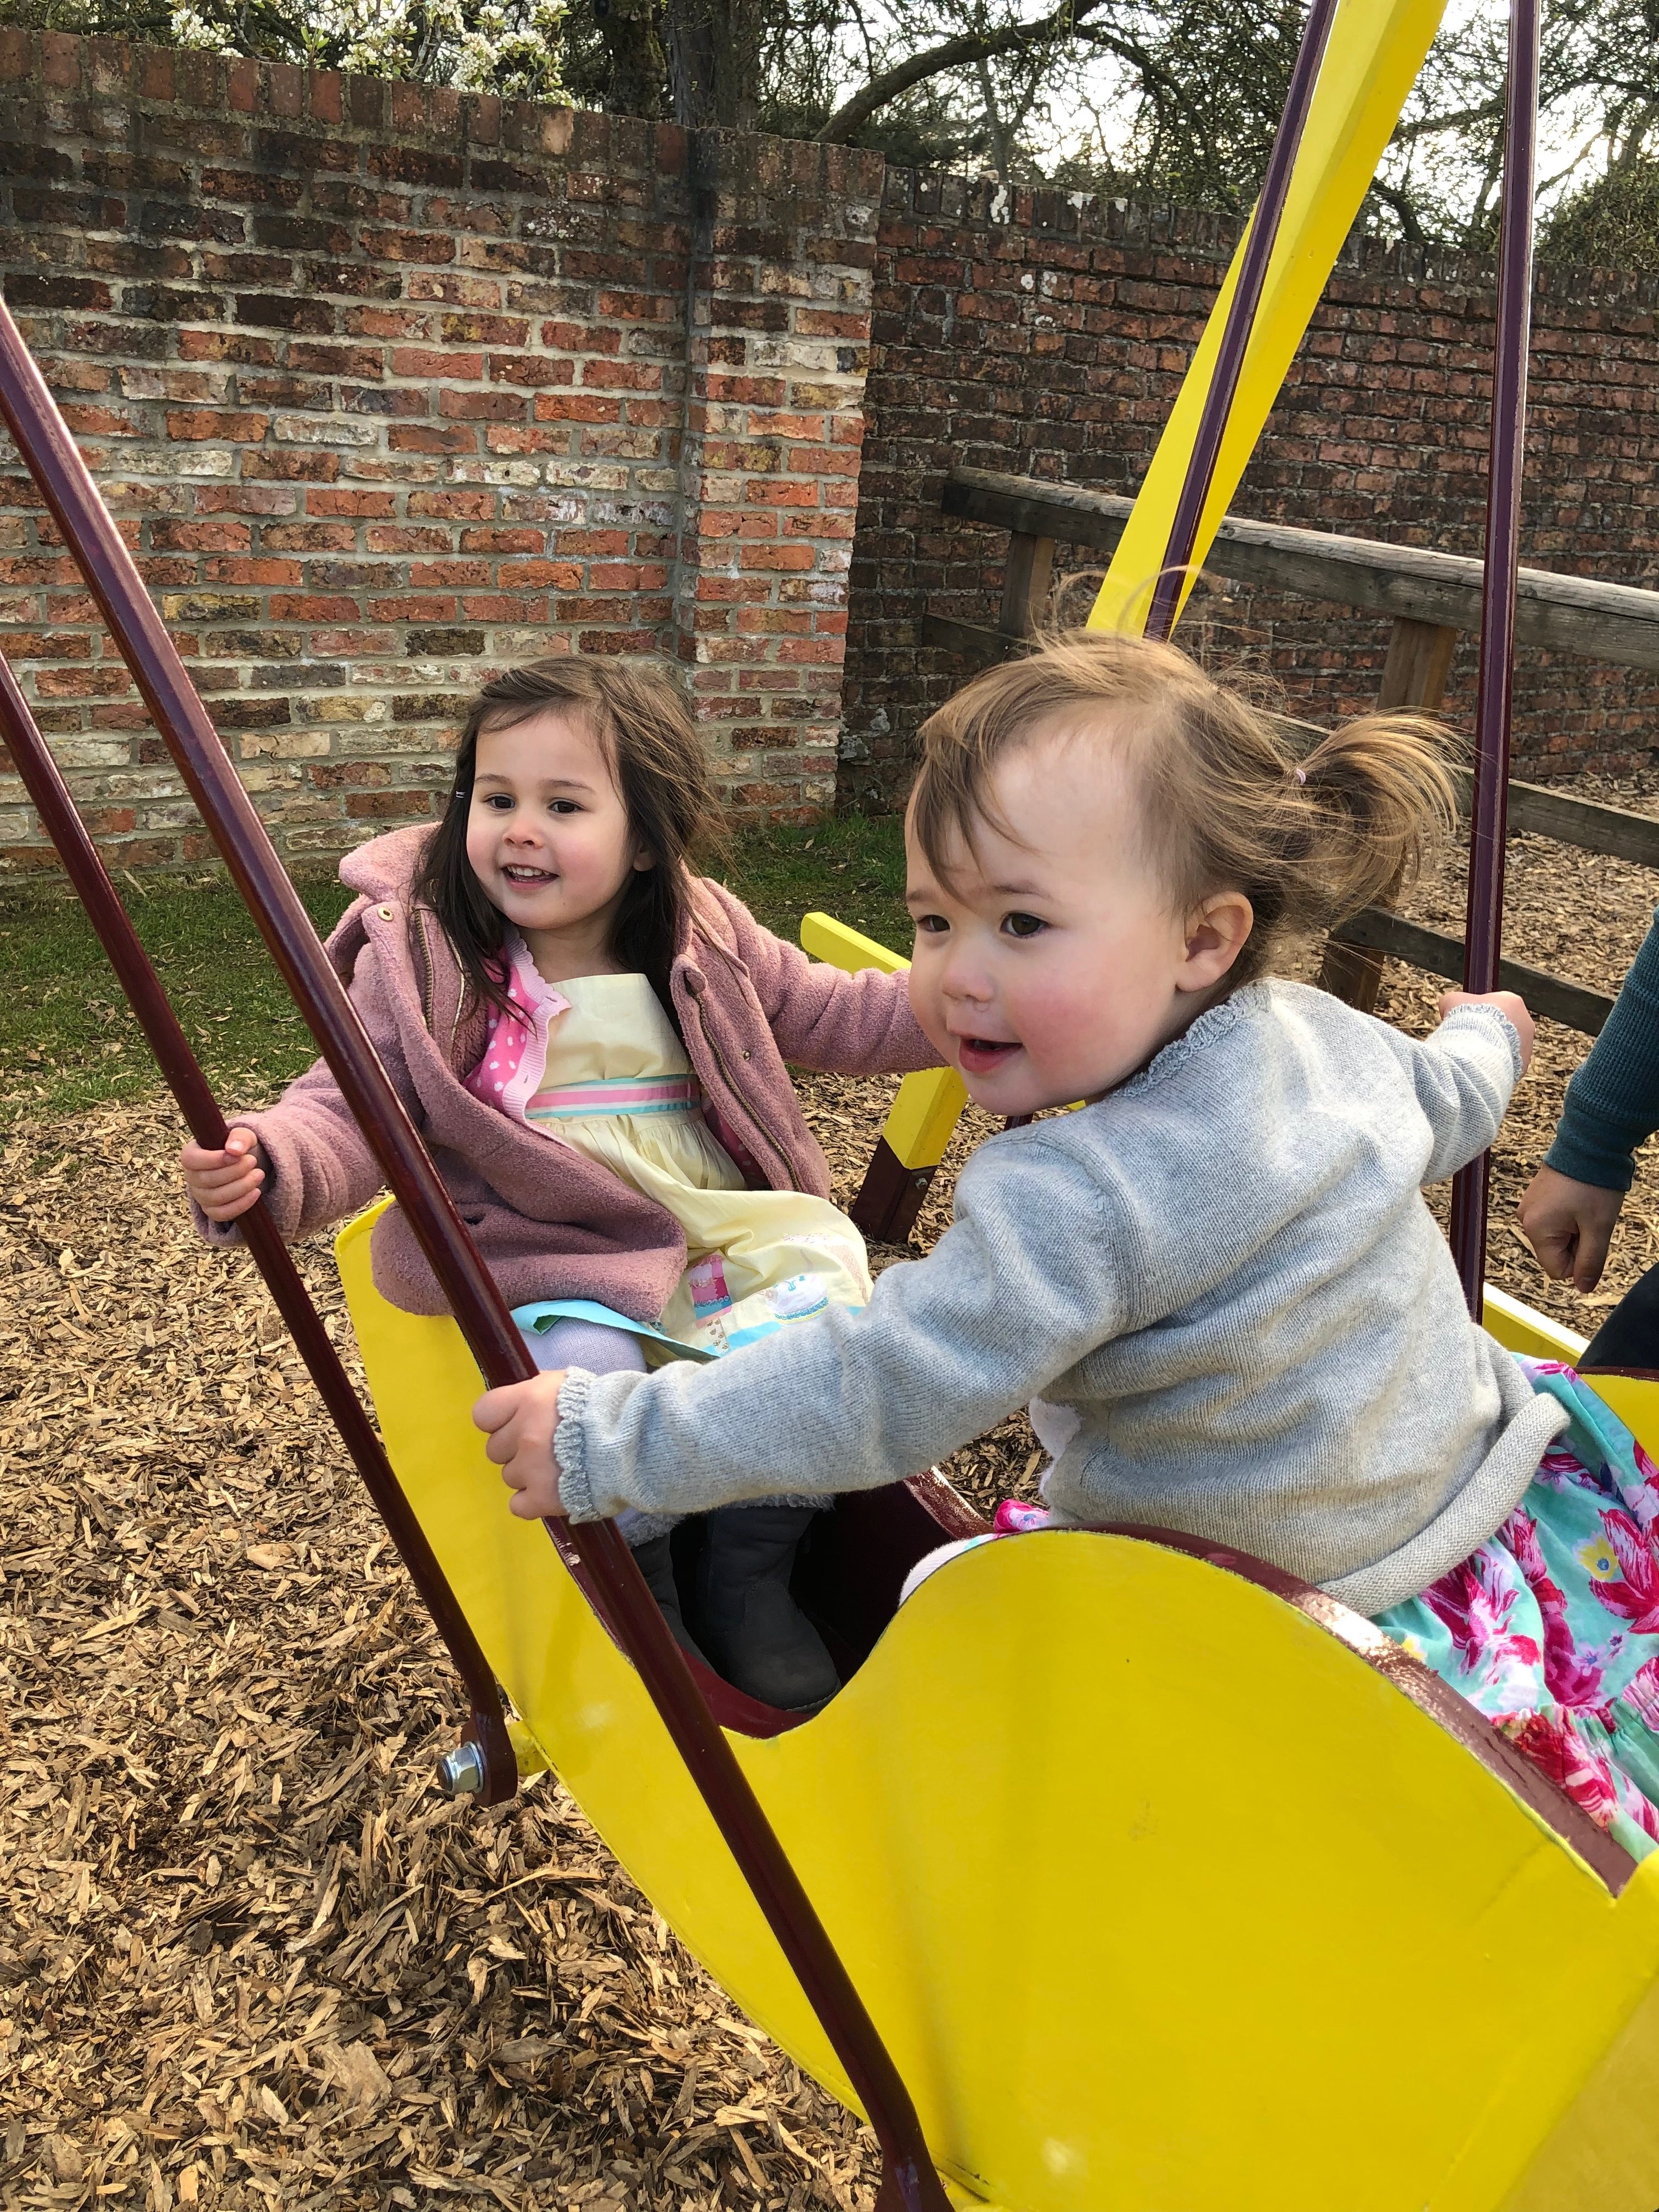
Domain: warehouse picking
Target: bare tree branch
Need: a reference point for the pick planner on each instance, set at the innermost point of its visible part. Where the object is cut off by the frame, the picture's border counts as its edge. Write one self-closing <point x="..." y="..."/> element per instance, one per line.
<point x="1424" y="126"/>
<point x="954" y="53"/>
<point x="1411" y="228"/>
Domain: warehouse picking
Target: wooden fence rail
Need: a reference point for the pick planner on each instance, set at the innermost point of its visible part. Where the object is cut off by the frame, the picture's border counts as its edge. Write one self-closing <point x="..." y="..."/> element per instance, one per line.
<point x="1569" y="614"/>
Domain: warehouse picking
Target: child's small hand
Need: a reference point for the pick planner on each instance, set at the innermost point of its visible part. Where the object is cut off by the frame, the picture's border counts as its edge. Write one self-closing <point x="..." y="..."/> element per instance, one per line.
<point x="520" y="1420"/>
<point x="1569" y="1225"/>
<point x="1506" y="1003"/>
<point x="224" y="1183"/>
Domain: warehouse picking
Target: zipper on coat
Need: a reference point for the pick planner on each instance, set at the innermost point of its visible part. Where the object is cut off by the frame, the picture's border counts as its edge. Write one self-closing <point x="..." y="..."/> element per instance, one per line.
<point x="423" y="953"/>
<point x="421" y="945"/>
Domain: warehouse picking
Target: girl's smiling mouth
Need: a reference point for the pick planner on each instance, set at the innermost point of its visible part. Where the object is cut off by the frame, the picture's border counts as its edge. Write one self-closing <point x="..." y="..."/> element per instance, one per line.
<point x="979" y="1055"/>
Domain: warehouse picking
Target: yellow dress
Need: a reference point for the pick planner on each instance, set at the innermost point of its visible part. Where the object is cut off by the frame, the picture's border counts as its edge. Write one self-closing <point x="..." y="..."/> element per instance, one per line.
<point x="596" y="1063"/>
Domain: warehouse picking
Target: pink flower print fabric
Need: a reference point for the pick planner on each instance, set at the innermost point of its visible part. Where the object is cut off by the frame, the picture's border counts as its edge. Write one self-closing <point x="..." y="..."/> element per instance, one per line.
<point x="1552" y="1627"/>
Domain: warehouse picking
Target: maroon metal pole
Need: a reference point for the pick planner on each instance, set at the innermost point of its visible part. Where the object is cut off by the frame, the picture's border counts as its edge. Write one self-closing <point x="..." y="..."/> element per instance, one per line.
<point x="51" y="456"/>
<point x="1240" y="320"/>
<point x="44" y="783"/>
<point x="1489" y="811"/>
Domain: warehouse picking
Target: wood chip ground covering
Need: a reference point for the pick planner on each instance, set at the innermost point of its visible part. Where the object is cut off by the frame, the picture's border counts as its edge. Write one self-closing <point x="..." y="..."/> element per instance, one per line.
<point x="249" y="1956"/>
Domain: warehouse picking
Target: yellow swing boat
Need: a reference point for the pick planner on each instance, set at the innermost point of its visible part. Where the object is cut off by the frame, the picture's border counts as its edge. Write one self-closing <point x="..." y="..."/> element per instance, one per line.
<point x="1120" y="1972"/>
<point x="1111" y="1968"/>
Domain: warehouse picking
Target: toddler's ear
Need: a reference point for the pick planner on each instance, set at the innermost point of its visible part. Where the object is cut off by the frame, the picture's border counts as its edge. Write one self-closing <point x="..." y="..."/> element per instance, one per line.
<point x="1217" y="931"/>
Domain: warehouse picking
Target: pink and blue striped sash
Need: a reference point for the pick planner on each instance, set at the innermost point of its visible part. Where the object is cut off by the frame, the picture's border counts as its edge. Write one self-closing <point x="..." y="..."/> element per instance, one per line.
<point x="632" y="1094"/>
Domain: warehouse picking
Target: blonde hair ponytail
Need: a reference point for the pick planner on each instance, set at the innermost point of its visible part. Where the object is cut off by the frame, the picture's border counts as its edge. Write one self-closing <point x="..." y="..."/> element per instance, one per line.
<point x="1384" y="793"/>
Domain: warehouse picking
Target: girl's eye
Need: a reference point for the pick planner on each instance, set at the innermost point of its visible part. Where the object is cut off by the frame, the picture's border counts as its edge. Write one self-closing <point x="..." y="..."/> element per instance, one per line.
<point x="564" y="807"/>
<point x="934" y="925"/>
<point x="498" y="802"/>
<point x="1024" y="925"/>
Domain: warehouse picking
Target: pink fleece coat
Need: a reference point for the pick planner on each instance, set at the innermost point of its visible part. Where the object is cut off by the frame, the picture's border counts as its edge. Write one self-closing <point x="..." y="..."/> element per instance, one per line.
<point x="548" y="1223"/>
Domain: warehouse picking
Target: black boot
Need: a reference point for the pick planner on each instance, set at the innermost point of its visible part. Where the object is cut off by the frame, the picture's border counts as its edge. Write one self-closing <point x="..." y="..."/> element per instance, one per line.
<point x="655" y="1561"/>
<point x="757" y="1637"/>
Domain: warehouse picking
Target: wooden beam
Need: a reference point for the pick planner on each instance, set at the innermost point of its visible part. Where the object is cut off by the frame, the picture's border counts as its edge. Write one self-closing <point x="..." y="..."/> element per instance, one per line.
<point x="1418" y="666"/>
<point x="1569" y="614"/>
<point x="975" y="642"/>
<point x="1570" y="1004"/>
<point x="1613" y="830"/>
<point x="1413" y="675"/>
<point x="1025" y="584"/>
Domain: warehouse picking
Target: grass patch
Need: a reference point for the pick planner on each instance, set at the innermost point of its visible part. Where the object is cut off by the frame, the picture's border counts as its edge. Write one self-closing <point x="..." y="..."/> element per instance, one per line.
<point x="851" y="866"/>
<point x="67" y="1041"/>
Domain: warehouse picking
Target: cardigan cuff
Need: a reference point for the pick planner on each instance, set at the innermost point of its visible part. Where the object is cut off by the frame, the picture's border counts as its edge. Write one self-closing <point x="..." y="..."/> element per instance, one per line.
<point x="575" y="1489"/>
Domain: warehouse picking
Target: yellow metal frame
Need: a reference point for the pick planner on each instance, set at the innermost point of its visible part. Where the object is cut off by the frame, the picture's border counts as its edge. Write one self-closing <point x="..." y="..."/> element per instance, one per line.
<point x="1376" y="50"/>
<point x="1150" y="1923"/>
<point x="929" y="1105"/>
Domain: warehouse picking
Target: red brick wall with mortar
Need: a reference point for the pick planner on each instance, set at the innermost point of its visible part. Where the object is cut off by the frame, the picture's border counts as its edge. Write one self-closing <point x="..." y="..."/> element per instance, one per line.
<point x="1045" y="334"/>
<point x="389" y="386"/>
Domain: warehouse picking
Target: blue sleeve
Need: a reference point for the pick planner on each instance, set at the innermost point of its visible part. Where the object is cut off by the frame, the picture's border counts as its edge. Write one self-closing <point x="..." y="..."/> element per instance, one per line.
<point x="1613" y="1102"/>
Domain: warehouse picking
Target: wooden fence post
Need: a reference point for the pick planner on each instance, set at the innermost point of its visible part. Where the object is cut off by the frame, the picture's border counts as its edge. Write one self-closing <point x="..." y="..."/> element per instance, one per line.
<point x="1413" y="675"/>
<point x="1025" y="583"/>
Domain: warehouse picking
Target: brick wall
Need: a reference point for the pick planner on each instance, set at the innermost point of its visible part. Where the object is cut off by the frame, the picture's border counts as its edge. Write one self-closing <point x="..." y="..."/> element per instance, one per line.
<point x="1036" y="333"/>
<point x="389" y="386"/>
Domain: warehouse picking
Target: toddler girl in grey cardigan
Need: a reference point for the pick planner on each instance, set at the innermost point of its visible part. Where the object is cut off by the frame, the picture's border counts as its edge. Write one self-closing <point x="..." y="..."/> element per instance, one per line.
<point x="1217" y="1287"/>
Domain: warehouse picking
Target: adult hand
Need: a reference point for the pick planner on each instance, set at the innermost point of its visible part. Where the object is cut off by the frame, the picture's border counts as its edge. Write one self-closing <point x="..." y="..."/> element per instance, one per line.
<point x="1569" y="1226"/>
<point x="1506" y="1003"/>
<point x="520" y="1419"/>
<point x="224" y="1183"/>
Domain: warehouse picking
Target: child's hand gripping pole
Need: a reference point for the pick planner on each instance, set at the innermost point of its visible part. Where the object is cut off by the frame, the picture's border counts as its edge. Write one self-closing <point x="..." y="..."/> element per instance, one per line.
<point x="226" y="1181"/>
<point x="1514" y="1010"/>
<point x="520" y="1420"/>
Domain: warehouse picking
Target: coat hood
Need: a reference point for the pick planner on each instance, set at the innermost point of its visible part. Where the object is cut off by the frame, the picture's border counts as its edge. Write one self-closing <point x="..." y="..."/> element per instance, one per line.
<point x="385" y="868"/>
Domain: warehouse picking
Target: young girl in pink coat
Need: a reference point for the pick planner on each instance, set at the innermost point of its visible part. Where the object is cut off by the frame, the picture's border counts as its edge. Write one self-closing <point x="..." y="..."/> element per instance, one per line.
<point x="591" y="1041"/>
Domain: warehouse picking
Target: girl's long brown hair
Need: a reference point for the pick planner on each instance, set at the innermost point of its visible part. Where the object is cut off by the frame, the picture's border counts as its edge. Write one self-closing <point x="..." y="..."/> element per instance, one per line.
<point x="651" y="747"/>
<point x="1230" y="797"/>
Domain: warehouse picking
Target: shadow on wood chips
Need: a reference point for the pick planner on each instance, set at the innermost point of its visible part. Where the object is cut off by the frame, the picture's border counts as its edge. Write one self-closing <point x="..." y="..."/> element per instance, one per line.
<point x="250" y="1954"/>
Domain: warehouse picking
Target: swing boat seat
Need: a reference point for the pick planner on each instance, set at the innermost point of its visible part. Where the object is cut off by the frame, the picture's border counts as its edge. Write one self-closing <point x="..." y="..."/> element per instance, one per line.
<point x="1135" y="1918"/>
<point x="1124" y="1961"/>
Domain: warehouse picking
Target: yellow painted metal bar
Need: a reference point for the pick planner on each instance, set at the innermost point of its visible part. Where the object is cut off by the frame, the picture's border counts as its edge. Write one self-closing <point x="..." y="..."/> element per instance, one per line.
<point x="926" y="1110"/>
<point x="838" y="946"/>
<point x="929" y="1105"/>
<point x="1376" y="49"/>
<point x="1523" y="1328"/>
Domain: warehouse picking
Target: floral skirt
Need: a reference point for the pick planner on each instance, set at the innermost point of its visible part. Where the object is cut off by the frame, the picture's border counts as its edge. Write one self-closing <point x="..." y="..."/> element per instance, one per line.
<point x="1552" y="1627"/>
